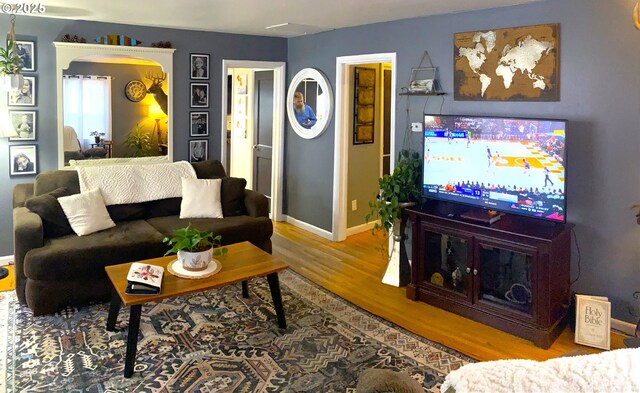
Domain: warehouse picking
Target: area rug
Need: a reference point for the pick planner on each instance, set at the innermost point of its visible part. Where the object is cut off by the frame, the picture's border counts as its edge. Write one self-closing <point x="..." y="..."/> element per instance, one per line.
<point x="215" y="341"/>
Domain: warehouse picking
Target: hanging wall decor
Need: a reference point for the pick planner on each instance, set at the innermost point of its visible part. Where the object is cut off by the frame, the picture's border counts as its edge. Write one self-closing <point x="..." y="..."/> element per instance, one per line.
<point x="364" y="107"/>
<point x="511" y="64"/>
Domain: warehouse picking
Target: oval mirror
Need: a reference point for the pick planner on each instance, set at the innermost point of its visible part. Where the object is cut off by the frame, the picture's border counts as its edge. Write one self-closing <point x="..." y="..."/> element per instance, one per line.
<point x="309" y="103"/>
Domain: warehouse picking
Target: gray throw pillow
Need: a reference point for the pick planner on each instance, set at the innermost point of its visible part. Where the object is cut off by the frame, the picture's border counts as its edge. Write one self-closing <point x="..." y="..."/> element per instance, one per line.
<point x="386" y="381"/>
<point x="54" y="221"/>
<point x="232" y="196"/>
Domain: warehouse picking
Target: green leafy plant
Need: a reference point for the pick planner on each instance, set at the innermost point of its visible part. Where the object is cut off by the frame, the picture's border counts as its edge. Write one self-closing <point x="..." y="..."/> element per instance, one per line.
<point x="194" y="240"/>
<point x="402" y="186"/>
<point x="96" y="133"/>
<point x="139" y="140"/>
<point x="10" y="62"/>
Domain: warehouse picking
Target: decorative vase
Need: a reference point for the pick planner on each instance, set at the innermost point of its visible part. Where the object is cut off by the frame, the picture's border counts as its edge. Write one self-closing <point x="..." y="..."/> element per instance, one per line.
<point x="195" y="261"/>
<point x="97" y="139"/>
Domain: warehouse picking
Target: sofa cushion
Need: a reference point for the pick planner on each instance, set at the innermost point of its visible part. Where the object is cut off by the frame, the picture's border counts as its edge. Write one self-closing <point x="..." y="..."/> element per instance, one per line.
<point x="162" y="207"/>
<point x="54" y="221"/>
<point x="72" y="257"/>
<point x="211" y="169"/>
<point x="233" y="196"/>
<point x="50" y="180"/>
<point x="201" y="198"/>
<point x="126" y="212"/>
<point x="86" y="212"/>
<point x="232" y="229"/>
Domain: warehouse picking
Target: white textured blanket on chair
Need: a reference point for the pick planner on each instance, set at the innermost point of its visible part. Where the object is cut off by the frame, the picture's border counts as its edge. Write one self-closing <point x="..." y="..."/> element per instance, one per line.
<point x="136" y="183"/>
<point x="613" y="371"/>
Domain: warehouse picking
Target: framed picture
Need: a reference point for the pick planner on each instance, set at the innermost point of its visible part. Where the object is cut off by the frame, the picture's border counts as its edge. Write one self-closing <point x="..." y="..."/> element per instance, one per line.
<point x="199" y="123"/>
<point x="199" y="95"/>
<point x="23" y="160"/>
<point x="24" y="123"/>
<point x="199" y="66"/>
<point x="25" y="95"/>
<point x="198" y="150"/>
<point x="27" y="52"/>
<point x="364" y="105"/>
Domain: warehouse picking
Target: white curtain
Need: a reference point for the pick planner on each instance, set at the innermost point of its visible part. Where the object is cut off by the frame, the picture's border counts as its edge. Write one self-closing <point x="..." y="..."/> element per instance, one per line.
<point x="87" y="106"/>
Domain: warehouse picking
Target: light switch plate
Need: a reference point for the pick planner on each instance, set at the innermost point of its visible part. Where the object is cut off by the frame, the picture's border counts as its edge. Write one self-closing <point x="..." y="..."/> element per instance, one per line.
<point x="416" y="127"/>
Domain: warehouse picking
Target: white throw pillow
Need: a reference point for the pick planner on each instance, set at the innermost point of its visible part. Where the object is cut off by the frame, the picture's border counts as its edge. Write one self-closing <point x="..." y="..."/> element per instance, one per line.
<point x="201" y="198"/>
<point x="86" y="212"/>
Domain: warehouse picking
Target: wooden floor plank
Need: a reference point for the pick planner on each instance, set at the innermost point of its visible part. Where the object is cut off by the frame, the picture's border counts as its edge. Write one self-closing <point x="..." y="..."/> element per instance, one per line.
<point x="353" y="270"/>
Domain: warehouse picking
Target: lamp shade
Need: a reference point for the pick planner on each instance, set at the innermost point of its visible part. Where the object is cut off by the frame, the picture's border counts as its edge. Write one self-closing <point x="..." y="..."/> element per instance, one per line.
<point x="7" y="130"/>
<point x="155" y="112"/>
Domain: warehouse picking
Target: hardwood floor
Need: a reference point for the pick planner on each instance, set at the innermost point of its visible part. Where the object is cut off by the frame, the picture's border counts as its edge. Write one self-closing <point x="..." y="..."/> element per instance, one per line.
<point x="353" y="269"/>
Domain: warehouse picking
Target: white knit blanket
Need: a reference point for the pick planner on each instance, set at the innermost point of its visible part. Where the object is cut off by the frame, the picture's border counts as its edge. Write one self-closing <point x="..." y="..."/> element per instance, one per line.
<point x="613" y="371"/>
<point x="136" y="183"/>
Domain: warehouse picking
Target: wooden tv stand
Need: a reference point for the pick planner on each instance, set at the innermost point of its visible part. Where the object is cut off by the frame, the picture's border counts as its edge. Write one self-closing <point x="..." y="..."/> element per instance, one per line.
<point x="512" y="275"/>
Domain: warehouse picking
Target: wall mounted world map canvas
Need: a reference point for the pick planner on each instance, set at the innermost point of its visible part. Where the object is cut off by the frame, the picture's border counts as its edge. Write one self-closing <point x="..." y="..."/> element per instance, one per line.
<point x="511" y="64"/>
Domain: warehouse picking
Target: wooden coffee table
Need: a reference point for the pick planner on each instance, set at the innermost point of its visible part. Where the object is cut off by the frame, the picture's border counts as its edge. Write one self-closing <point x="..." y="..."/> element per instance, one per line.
<point x="243" y="262"/>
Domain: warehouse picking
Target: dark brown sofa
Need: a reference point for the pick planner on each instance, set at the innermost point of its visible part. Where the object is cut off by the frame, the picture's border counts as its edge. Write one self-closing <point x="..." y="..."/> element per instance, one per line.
<point x="56" y="268"/>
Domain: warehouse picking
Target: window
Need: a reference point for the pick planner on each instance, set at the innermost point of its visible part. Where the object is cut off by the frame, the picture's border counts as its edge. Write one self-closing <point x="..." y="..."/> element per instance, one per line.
<point x="87" y="106"/>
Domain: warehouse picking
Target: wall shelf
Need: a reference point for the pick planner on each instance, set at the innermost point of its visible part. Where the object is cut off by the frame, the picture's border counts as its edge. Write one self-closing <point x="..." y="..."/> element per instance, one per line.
<point x="433" y="93"/>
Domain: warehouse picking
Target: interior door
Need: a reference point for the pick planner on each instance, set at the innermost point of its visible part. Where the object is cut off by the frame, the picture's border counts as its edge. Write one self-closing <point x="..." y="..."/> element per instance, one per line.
<point x="263" y="136"/>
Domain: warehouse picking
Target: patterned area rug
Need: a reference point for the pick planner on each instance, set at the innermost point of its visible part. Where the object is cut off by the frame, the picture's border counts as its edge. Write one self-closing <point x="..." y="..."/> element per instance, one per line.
<point x="215" y="341"/>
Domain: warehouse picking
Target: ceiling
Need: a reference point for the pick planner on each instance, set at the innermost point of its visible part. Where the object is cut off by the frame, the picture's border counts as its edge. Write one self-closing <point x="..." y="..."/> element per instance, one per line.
<point x="291" y="17"/>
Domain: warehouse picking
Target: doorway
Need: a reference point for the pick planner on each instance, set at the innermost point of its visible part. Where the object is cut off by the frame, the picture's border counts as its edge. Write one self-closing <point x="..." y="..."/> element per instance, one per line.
<point x="245" y="152"/>
<point x="343" y="133"/>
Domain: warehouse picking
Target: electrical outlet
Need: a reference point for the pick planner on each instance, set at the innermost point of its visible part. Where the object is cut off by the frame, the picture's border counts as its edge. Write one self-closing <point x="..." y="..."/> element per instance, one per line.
<point x="416" y="127"/>
<point x="354" y="205"/>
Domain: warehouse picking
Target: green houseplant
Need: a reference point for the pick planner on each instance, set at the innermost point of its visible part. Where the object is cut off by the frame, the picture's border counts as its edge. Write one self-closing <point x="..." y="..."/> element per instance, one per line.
<point x="194" y="247"/>
<point x="11" y="65"/>
<point x="97" y="135"/>
<point x="398" y="190"/>
<point x="139" y="140"/>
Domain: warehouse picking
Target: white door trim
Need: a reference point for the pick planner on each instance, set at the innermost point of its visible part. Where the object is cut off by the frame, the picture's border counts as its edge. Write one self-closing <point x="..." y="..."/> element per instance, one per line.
<point x="277" y="156"/>
<point x="342" y="136"/>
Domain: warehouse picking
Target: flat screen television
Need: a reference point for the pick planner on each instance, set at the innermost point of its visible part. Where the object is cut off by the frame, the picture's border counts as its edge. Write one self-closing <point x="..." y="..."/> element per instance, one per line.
<point x="509" y="165"/>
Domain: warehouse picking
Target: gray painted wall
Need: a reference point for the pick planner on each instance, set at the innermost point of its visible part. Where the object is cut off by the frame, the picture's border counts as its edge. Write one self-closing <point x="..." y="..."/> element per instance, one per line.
<point x="46" y="30"/>
<point x="600" y="95"/>
<point x="124" y="113"/>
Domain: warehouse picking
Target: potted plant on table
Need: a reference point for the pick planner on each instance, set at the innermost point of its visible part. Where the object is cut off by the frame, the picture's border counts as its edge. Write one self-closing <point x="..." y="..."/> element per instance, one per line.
<point x="195" y="248"/>
<point x="97" y="135"/>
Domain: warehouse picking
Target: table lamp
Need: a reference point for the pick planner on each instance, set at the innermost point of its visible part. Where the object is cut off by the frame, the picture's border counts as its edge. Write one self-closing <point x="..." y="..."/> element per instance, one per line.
<point x="155" y="112"/>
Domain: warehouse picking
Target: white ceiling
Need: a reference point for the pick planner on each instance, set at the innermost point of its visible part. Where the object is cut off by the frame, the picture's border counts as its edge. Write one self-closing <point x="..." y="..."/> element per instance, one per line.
<point x="297" y="17"/>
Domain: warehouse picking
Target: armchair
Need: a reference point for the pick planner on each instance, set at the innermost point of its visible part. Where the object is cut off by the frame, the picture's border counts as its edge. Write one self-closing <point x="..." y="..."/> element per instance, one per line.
<point x="73" y="150"/>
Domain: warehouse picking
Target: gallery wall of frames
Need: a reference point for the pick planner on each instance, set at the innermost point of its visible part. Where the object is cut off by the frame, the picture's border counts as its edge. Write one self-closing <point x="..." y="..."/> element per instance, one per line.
<point x="23" y="115"/>
<point x="199" y="116"/>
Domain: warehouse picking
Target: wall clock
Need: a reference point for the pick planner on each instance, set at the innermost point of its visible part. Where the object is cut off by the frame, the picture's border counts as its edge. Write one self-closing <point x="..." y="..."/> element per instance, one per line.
<point x="135" y="90"/>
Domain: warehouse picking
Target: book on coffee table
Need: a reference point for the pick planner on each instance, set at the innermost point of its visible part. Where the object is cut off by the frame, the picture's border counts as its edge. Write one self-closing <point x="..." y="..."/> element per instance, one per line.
<point x="144" y="279"/>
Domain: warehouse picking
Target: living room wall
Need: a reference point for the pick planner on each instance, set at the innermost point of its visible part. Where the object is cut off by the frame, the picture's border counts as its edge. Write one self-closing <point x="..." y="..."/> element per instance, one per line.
<point x="600" y="96"/>
<point x="46" y="30"/>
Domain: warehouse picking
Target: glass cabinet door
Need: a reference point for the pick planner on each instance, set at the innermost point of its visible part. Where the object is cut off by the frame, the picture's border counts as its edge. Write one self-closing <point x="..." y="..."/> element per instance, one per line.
<point x="505" y="278"/>
<point x="446" y="262"/>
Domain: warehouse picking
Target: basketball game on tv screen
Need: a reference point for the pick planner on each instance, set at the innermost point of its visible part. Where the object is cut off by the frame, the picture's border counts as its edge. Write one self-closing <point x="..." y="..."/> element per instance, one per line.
<point x="505" y="164"/>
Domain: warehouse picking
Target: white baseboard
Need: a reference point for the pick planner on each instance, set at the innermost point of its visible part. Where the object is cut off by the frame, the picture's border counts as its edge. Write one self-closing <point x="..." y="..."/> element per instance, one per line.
<point x="7" y="260"/>
<point x="622" y="326"/>
<point x="309" y="228"/>
<point x="360" y="228"/>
